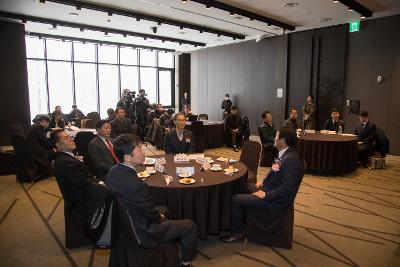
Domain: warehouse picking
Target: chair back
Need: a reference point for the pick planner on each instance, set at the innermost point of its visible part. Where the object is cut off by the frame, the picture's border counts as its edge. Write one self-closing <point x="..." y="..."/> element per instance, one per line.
<point x="25" y="167"/>
<point x="202" y="117"/>
<point x="82" y="140"/>
<point x="199" y="133"/>
<point x="382" y="142"/>
<point x="250" y="156"/>
<point x="93" y="115"/>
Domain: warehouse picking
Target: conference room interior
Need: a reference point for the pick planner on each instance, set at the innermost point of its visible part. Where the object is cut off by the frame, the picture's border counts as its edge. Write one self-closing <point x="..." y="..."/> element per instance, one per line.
<point x="267" y="56"/>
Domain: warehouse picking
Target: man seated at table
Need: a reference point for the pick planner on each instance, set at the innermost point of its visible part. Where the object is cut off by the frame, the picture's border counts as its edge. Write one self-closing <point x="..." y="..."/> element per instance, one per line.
<point x="166" y="120"/>
<point x="267" y="132"/>
<point x="234" y="126"/>
<point x="72" y="175"/>
<point x="101" y="150"/>
<point x="187" y="110"/>
<point x="120" y="125"/>
<point x="365" y="132"/>
<point x="292" y="120"/>
<point x="179" y="140"/>
<point x="39" y="146"/>
<point x="152" y="227"/>
<point x="75" y="116"/>
<point x="334" y="122"/>
<point x="64" y="117"/>
<point x="56" y="122"/>
<point x="275" y="193"/>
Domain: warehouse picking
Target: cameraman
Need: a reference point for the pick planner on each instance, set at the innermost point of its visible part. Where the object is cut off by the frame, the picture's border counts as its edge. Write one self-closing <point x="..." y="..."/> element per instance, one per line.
<point x="141" y="104"/>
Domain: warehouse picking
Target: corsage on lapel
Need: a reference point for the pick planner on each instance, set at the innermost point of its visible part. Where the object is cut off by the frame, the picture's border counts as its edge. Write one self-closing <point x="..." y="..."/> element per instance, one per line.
<point x="187" y="139"/>
<point x="276" y="166"/>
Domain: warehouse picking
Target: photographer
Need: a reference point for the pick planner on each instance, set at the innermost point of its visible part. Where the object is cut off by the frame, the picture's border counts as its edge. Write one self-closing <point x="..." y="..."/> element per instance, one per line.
<point x="141" y="104"/>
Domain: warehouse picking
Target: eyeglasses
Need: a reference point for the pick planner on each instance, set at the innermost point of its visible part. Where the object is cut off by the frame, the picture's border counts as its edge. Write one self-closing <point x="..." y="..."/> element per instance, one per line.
<point x="68" y="139"/>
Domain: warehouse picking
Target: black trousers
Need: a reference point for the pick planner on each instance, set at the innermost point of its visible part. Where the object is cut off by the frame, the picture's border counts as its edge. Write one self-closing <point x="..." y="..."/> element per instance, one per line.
<point x="241" y="202"/>
<point x="364" y="152"/>
<point x="184" y="231"/>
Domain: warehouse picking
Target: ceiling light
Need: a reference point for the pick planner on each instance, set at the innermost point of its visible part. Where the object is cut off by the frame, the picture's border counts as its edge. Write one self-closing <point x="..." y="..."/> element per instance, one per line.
<point x="336" y="1"/>
<point x="251" y="19"/>
<point x="180" y="43"/>
<point x="137" y="19"/>
<point x="237" y="17"/>
<point x="182" y="33"/>
<point x="23" y="21"/>
<point x="290" y="5"/>
<point x="200" y="31"/>
<point x="325" y="19"/>
<point x="154" y="29"/>
<point x="110" y="14"/>
<point x="363" y="17"/>
<point x="350" y="9"/>
<point x="54" y="26"/>
<point x="81" y="29"/>
<point x="124" y="35"/>
<point x="184" y="1"/>
<point x="106" y="33"/>
<point x="208" y="6"/>
<point x="181" y="27"/>
<point x="159" y="23"/>
<point x="78" y="7"/>
<point x="231" y="14"/>
<point x="74" y="14"/>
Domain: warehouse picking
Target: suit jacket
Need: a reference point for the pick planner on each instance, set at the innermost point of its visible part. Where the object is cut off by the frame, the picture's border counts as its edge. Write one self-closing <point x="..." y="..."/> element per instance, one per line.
<point x="292" y="124"/>
<point x="329" y="125"/>
<point x="61" y="123"/>
<point x="172" y="145"/>
<point x="39" y="146"/>
<point x="121" y="127"/>
<point x="100" y="156"/>
<point x="366" y="134"/>
<point x="281" y="186"/>
<point x="73" y="178"/>
<point x="234" y="122"/>
<point x="136" y="196"/>
<point x="267" y="134"/>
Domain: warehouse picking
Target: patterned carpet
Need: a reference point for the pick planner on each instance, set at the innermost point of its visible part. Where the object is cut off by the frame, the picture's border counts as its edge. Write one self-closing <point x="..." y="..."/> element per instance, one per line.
<point x="350" y="220"/>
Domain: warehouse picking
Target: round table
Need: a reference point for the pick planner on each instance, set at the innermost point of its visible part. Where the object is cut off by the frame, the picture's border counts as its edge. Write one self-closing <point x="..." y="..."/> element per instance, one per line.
<point x="213" y="133"/>
<point x="328" y="154"/>
<point x="208" y="204"/>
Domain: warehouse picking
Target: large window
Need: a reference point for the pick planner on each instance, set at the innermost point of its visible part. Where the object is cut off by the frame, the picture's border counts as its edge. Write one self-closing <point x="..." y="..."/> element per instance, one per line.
<point x="93" y="75"/>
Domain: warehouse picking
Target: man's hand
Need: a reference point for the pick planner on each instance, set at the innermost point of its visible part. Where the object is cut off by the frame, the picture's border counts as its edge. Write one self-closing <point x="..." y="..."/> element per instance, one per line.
<point x="260" y="194"/>
<point x="259" y="184"/>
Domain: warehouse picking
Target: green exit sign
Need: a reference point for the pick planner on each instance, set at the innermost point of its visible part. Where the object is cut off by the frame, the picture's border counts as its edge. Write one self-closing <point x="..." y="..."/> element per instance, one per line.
<point x="354" y="26"/>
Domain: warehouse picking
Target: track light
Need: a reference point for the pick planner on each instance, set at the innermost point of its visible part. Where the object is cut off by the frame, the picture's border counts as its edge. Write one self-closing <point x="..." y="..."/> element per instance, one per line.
<point x="23" y="21"/>
<point x="106" y="33"/>
<point x="181" y="27"/>
<point x="251" y="19"/>
<point x="154" y="29"/>
<point x="363" y="17"/>
<point x="54" y="26"/>
<point x="124" y="35"/>
<point x="81" y="29"/>
<point x="159" y="23"/>
<point x="200" y="31"/>
<point x="350" y="9"/>
<point x="231" y="14"/>
<point x="184" y="1"/>
<point x="110" y="14"/>
<point x="336" y="1"/>
<point x="180" y="43"/>
<point x="137" y="19"/>
<point x="78" y="7"/>
<point x="208" y="6"/>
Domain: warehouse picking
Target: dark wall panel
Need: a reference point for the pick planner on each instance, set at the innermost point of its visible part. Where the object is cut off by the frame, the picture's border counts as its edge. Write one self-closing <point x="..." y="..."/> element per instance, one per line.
<point x="184" y="74"/>
<point x="14" y="93"/>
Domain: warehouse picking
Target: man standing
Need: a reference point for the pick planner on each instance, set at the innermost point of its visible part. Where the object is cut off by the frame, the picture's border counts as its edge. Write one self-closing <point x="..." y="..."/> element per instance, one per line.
<point x="101" y="150"/>
<point x="365" y="132"/>
<point x="334" y="122"/>
<point x="275" y="193"/>
<point x="226" y="106"/>
<point x="234" y="127"/>
<point x="179" y="140"/>
<point x="292" y="122"/>
<point x="308" y="111"/>
<point x="120" y="125"/>
<point x="152" y="228"/>
<point x="184" y="101"/>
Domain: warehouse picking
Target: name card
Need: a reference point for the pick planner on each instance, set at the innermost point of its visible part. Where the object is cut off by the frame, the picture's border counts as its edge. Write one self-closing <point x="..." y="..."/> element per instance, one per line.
<point x="181" y="158"/>
<point x="202" y="161"/>
<point x="206" y="166"/>
<point x="161" y="161"/>
<point x="160" y="168"/>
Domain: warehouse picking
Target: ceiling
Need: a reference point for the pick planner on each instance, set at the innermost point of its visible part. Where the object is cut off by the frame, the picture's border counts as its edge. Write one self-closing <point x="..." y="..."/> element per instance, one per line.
<point x="307" y="14"/>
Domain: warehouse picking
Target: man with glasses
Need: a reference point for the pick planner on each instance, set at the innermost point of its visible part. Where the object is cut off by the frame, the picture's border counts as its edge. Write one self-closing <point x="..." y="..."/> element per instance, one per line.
<point x="179" y="140"/>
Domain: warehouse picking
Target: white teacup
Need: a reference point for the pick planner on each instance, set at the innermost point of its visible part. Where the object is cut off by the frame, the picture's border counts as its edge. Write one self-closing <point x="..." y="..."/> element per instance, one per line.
<point x="185" y="174"/>
<point x="216" y="166"/>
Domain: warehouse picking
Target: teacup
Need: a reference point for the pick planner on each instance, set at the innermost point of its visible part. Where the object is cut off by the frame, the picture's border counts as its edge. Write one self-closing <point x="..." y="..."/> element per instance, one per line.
<point x="149" y="169"/>
<point x="216" y="166"/>
<point x="185" y="174"/>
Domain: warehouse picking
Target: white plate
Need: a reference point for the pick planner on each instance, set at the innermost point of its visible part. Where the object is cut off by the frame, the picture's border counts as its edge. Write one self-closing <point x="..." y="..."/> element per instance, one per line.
<point x="187" y="181"/>
<point x="151" y="172"/>
<point x="222" y="159"/>
<point x="143" y="174"/>
<point x="184" y="175"/>
<point x="215" y="169"/>
<point x="149" y="161"/>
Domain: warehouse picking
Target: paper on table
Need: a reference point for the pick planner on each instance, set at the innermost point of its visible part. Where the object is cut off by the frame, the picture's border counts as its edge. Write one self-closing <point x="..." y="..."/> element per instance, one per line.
<point x="195" y="156"/>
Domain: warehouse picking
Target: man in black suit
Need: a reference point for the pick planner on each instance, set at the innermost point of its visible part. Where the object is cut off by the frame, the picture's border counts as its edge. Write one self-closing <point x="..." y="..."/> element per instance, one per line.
<point x="267" y="130"/>
<point x="365" y="132"/>
<point x="39" y="146"/>
<point x="334" y="122"/>
<point x="56" y="122"/>
<point x="226" y="107"/>
<point x="120" y="125"/>
<point x="72" y="175"/>
<point x="101" y="150"/>
<point x="152" y="227"/>
<point x="292" y="120"/>
<point x="179" y="140"/>
<point x="276" y="193"/>
<point x="234" y="127"/>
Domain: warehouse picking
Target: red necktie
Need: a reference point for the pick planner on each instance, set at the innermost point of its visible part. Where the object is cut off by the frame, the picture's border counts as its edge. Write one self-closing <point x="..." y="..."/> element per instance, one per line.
<point x="110" y="147"/>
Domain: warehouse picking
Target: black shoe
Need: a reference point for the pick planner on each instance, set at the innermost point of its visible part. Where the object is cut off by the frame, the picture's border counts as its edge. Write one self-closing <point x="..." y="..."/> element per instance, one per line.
<point x="232" y="238"/>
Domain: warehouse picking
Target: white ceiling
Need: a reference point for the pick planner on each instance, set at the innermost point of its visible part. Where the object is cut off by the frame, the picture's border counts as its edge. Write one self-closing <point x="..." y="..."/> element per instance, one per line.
<point x="306" y="15"/>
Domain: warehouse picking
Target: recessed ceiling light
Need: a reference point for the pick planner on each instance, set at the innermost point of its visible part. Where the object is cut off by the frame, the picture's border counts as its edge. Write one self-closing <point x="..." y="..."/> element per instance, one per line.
<point x="237" y="17"/>
<point x="336" y="1"/>
<point x="289" y="5"/>
<point x="363" y="17"/>
<point x="325" y="19"/>
<point x="182" y="33"/>
<point x="350" y="9"/>
<point x="74" y="14"/>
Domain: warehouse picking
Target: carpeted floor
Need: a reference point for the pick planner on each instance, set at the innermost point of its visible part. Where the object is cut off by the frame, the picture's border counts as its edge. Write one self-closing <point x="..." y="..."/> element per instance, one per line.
<point x="351" y="220"/>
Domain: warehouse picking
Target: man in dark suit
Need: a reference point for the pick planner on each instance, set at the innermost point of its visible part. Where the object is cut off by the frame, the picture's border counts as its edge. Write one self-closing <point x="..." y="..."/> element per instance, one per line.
<point x="292" y="120"/>
<point x="184" y="101"/>
<point x="39" y="146"/>
<point x="120" y="125"/>
<point x="334" y="122"/>
<point x="226" y="107"/>
<point x="101" y="150"/>
<point x="179" y="140"/>
<point x="365" y="132"/>
<point x="57" y="122"/>
<point x="267" y="130"/>
<point x="276" y="193"/>
<point x="72" y="175"/>
<point x="152" y="227"/>
<point x="234" y="127"/>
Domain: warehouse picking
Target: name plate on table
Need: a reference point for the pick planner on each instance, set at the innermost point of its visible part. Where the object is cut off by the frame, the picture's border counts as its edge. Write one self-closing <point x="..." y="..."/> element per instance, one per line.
<point x="181" y="158"/>
<point x="202" y="161"/>
<point x="159" y="167"/>
<point x="206" y="166"/>
<point x="189" y="171"/>
<point x="310" y="131"/>
<point x="161" y="161"/>
<point x="196" y="156"/>
<point x="327" y="132"/>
